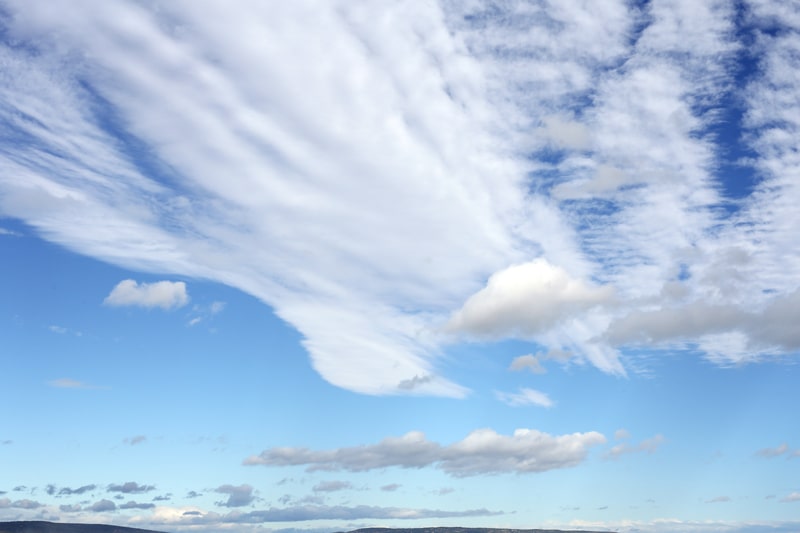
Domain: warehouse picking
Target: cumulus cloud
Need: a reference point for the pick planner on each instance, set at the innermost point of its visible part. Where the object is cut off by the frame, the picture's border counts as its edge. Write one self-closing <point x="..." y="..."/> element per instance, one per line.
<point x="238" y="496"/>
<point x="6" y="503"/>
<point x="102" y="506"/>
<point x="130" y="487"/>
<point x="163" y="294"/>
<point x="525" y="396"/>
<point x="526" y="299"/>
<point x="482" y="452"/>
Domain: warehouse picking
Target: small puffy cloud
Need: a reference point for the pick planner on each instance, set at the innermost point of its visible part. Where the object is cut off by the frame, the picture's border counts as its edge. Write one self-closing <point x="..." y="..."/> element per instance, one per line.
<point x="130" y="487"/>
<point x="525" y="397"/>
<point x="163" y="498"/>
<point x="133" y="441"/>
<point x="445" y="490"/>
<point x="135" y="505"/>
<point x="103" y="506"/>
<point x="391" y="487"/>
<point x="163" y="294"/>
<point x="58" y="329"/>
<point x="793" y="497"/>
<point x="193" y="494"/>
<point x="773" y="452"/>
<point x="481" y="452"/>
<point x="719" y="499"/>
<point x="647" y="446"/>
<point x="216" y="307"/>
<point x="26" y="504"/>
<point x="238" y="496"/>
<point x="331" y="486"/>
<point x="525" y="300"/>
<point x="527" y="362"/>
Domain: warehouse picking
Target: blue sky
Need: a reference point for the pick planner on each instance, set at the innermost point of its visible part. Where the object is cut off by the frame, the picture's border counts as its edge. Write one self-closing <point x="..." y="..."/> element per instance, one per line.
<point x="325" y="265"/>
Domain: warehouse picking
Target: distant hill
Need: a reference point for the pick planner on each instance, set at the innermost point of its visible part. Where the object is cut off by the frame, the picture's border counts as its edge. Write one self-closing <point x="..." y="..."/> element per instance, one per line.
<point x="57" y="527"/>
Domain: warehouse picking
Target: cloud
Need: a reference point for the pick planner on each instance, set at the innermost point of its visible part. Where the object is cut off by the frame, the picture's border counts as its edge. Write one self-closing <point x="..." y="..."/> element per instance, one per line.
<point x="793" y="497"/>
<point x="332" y="486"/>
<point x="391" y="487"/>
<point x="525" y="396"/>
<point x="10" y="233"/>
<point x="134" y="505"/>
<point x="133" y="441"/>
<point x="58" y="329"/>
<point x="719" y="499"/>
<point x="238" y="496"/>
<point x="71" y="508"/>
<point x="529" y="362"/>
<point x="163" y="294"/>
<point x="66" y="491"/>
<point x="6" y="503"/>
<point x="780" y="450"/>
<point x="526" y="299"/>
<point x="102" y="506"/>
<point x="130" y="487"/>
<point x="336" y="197"/>
<point x="648" y="446"/>
<point x="482" y="452"/>
<point x="622" y="434"/>
<point x="301" y="513"/>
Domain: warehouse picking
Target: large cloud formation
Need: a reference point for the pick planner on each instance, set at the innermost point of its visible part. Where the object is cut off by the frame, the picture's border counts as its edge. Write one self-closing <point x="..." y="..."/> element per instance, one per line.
<point x="364" y="169"/>
<point x="481" y="452"/>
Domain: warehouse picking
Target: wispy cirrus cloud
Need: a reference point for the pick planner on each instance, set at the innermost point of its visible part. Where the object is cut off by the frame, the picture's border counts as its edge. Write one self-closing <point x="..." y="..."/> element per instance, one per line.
<point x="579" y="161"/>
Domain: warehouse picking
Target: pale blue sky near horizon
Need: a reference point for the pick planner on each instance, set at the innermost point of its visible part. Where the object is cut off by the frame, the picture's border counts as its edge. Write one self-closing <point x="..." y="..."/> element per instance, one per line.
<point x="330" y="265"/>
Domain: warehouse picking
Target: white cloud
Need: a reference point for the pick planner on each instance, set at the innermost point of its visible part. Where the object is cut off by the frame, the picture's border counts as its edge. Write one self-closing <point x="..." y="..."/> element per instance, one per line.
<point x="529" y="362"/>
<point x="525" y="397"/>
<point x="337" y="196"/>
<point x="482" y="452"/>
<point x="793" y="497"/>
<point x="163" y="294"/>
<point x="526" y="299"/>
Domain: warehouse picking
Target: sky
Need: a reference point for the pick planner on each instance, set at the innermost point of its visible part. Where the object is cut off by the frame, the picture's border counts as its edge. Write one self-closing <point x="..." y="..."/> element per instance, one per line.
<point x="313" y="266"/>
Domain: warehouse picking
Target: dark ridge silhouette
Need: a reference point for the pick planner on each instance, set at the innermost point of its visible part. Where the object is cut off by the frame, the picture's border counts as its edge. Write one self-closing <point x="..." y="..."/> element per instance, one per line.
<point x="58" y="527"/>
